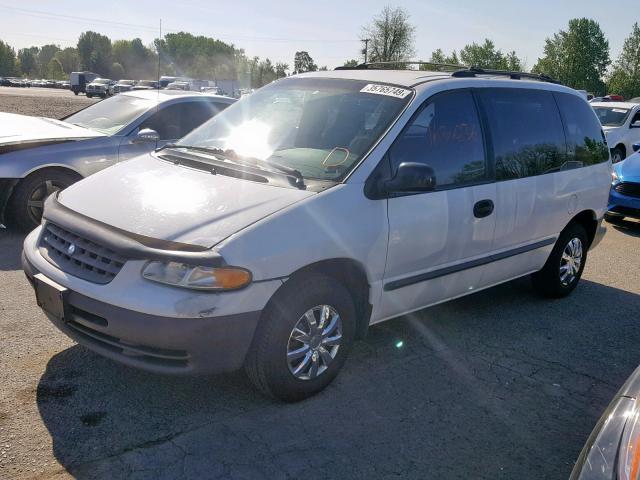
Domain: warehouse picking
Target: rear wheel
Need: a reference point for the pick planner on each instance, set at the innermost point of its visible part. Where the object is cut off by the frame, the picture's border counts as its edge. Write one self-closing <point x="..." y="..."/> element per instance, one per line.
<point x="563" y="269"/>
<point x="303" y="339"/>
<point x="27" y="200"/>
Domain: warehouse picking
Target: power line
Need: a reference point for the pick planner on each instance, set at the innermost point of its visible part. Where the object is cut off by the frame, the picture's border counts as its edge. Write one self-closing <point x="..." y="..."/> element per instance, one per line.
<point x="75" y="18"/>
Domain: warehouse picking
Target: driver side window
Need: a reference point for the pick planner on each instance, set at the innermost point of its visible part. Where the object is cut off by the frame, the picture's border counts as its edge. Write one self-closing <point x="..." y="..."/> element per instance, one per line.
<point x="445" y="135"/>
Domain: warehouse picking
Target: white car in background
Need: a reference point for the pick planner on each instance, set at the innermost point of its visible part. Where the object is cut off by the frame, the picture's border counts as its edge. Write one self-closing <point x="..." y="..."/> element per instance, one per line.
<point x="621" y="124"/>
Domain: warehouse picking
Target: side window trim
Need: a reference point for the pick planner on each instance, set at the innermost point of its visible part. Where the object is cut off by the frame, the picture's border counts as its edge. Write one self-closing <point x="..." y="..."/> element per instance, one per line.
<point x="490" y="177"/>
<point x="485" y="126"/>
<point x="569" y="146"/>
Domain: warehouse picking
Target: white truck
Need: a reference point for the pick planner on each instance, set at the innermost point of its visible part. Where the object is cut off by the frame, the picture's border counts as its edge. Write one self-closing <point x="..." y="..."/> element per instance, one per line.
<point x="79" y="81"/>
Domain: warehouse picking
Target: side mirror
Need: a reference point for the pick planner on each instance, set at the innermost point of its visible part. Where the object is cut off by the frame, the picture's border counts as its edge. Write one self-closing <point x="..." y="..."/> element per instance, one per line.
<point x="412" y="177"/>
<point x="636" y="147"/>
<point x="635" y="124"/>
<point x="146" y="135"/>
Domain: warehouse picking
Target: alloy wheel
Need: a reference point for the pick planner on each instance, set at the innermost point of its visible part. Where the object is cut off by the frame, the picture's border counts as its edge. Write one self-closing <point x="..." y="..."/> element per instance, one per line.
<point x="570" y="261"/>
<point x="314" y="342"/>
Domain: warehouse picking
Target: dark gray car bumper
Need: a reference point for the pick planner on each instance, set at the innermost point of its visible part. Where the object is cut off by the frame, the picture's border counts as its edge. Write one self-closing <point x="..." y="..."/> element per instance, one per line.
<point x="157" y="344"/>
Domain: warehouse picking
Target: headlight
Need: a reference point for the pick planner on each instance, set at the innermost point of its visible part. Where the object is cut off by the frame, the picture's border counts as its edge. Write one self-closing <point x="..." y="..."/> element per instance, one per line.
<point x="196" y="277"/>
<point x="614" y="177"/>
<point x="613" y="449"/>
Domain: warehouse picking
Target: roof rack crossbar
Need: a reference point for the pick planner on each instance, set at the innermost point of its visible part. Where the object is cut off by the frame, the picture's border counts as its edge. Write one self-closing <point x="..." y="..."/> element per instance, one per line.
<point x="377" y="65"/>
<point x="475" y="71"/>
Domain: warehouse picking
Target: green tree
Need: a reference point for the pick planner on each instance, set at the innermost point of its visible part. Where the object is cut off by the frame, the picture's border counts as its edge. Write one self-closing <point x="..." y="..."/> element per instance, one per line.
<point x="438" y="56"/>
<point x="136" y="60"/>
<point x="281" y="69"/>
<point x="351" y="63"/>
<point x="390" y="35"/>
<point x="28" y="58"/>
<point x="45" y="55"/>
<point x="577" y="57"/>
<point x="54" y="70"/>
<point x="69" y="59"/>
<point x="486" y="55"/>
<point x="625" y="75"/>
<point x="302" y="62"/>
<point x="94" y="51"/>
<point x="7" y="60"/>
<point x="197" y="56"/>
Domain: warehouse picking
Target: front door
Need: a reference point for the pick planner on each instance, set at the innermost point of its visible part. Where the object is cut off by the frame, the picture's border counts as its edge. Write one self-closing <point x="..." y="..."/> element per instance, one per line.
<point x="439" y="241"/>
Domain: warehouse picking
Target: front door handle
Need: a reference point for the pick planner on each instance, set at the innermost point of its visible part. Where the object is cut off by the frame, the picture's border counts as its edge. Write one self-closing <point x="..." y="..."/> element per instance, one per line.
<point x="483" y="208"/>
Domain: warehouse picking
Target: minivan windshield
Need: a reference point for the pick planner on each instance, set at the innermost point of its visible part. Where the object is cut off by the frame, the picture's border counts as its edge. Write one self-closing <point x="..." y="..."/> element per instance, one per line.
<point x="612" y="116"/>
<point x="111" y="115"/>
<point x="321" y="127"/>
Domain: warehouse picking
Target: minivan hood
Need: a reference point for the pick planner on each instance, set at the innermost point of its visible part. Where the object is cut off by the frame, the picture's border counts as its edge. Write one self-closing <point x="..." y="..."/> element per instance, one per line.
<point x="18" y="129"/>
<point x="155" y="198"/>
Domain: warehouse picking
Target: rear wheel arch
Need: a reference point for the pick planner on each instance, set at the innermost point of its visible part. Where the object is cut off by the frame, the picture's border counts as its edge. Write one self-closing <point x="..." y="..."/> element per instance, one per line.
<point x="588" y="220"/>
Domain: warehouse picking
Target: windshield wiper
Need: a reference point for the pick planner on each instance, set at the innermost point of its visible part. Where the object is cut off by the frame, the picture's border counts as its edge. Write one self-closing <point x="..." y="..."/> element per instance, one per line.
<point x="228" y="154"/>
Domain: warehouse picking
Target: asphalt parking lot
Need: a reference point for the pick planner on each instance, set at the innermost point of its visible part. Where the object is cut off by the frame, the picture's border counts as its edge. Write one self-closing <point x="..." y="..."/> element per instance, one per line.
<point x="498" y="385"/>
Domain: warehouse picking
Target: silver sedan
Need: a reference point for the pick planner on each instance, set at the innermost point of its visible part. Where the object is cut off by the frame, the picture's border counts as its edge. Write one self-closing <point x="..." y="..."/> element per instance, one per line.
<point x="41" y="155"/>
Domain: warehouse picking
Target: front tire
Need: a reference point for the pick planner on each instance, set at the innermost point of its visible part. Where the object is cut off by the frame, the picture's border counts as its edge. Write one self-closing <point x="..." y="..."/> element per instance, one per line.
<point x="563" y="269"/>
<point x="27" y="201"/>
<point x="303" y="339"/>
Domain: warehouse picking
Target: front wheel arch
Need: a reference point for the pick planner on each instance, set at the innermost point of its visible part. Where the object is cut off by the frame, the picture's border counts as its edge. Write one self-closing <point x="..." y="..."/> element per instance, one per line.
<point x="45" y="171"/>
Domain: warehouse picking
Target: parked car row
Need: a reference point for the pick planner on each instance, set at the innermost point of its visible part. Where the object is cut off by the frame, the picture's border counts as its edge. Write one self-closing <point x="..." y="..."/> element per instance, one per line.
<point x="621" y="124"/>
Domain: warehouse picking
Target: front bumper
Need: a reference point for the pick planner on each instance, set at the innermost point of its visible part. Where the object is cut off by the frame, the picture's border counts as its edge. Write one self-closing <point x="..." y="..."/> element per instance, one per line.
<point x="623" y="205"/>
<point x="159" y="344"/>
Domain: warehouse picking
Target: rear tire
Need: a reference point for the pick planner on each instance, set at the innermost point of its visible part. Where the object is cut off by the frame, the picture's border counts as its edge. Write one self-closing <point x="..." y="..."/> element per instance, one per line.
<point x="282" y="343"/>
<point x="27" y="201"/>
<point x="563" y="269"/>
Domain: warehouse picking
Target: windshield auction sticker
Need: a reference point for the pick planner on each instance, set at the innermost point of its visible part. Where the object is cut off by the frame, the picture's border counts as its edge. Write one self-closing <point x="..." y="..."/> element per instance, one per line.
<point x="386" y="90"/>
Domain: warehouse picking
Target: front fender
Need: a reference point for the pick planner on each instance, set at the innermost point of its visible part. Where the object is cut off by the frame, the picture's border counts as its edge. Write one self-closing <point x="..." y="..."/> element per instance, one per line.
<point x="84" y="157"/>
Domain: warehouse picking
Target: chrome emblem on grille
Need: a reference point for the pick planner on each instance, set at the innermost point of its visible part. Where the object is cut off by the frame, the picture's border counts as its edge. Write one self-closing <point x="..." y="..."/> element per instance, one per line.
<point x="71" y="249"/>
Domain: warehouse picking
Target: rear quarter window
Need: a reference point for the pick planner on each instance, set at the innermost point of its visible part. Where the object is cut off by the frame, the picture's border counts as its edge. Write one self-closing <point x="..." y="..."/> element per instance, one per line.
<point x="585" y="139"/>
<point x="526" y="132"/>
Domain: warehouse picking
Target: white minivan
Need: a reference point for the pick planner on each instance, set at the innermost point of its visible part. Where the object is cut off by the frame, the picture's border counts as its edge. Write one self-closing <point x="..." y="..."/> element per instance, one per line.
<point x="272" y="236"/>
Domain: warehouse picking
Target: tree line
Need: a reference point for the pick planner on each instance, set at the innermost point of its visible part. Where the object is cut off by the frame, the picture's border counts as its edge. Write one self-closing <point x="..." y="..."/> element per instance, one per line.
<point x="176" y="54"/>
<point x="578" y="57"/>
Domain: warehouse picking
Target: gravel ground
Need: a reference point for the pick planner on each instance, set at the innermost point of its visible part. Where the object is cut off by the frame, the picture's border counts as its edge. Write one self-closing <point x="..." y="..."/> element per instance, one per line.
<point x="42" y="102"/>
<point x="497" y="385"/>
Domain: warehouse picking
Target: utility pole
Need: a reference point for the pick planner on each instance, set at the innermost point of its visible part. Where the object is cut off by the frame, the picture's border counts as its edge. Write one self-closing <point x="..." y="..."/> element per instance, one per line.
<point x="366" y="48"/>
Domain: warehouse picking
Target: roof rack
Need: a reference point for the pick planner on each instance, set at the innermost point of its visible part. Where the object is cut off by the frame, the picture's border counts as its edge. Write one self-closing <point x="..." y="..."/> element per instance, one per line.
<point x="457" y="71"/>
<point x="389" y="65"/>
<point x="475" y="71"/>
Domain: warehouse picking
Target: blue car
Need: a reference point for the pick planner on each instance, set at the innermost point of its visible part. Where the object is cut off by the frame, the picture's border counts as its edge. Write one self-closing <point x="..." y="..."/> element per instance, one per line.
<point x="624" y="198"/>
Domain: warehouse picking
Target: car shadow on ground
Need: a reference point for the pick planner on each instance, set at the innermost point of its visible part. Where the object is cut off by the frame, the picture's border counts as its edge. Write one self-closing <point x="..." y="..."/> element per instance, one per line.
<point x="11" y="248"/>
<point x="629" y="227"/>
<point x="499" y="384"/>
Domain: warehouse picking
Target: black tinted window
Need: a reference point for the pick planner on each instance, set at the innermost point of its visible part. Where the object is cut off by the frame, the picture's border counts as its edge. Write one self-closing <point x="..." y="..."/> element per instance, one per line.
<point x="584" y="133"/>
<point x="445" y="135"/>
<point x="527" y="133"/>
<point x="175" y="121"/>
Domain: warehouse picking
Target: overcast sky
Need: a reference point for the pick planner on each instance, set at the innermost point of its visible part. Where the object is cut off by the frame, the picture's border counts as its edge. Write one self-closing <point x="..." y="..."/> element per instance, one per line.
<point x="328" y="29"/>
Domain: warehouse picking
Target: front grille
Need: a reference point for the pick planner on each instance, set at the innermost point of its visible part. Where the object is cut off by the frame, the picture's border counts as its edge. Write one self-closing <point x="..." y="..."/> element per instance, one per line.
<point x="630" y="189"/>
<point x="86" y="260"/>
